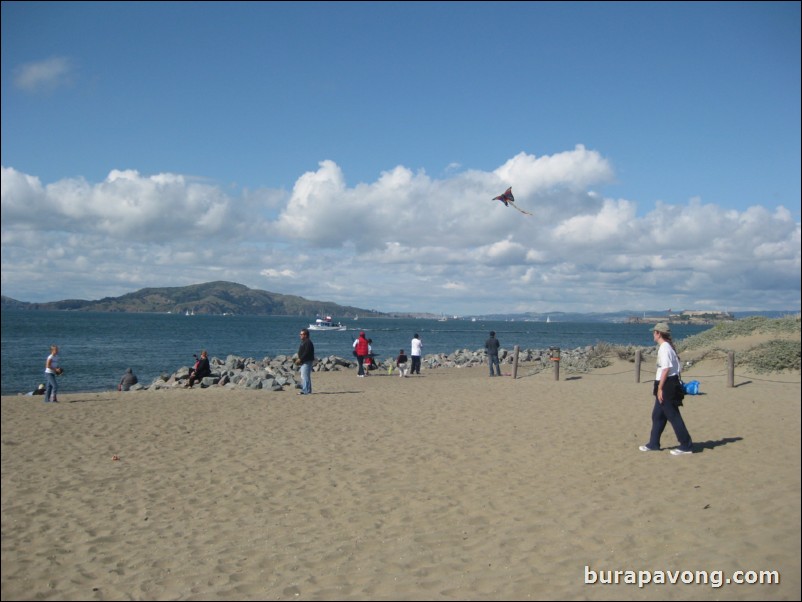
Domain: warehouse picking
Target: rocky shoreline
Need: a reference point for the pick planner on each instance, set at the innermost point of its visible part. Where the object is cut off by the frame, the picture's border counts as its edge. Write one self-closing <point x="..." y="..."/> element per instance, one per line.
<point x="281" y="372"/>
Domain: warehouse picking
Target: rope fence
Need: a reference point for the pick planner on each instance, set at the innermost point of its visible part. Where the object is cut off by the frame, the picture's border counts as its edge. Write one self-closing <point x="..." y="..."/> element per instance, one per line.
<point x="554" y="357"/>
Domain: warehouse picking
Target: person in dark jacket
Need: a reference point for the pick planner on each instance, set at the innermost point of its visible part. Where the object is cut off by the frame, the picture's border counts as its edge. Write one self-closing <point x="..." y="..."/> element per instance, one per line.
<point x="401" y="363"/>
<point x="306" y="359"/>
<point x="201" y="369"/>
<point x="491" y="345"/>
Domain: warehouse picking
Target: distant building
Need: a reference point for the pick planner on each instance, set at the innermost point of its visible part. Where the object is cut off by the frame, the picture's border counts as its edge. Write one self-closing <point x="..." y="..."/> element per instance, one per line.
<point x="705" y="316"/>
<point x="707" y="313"/>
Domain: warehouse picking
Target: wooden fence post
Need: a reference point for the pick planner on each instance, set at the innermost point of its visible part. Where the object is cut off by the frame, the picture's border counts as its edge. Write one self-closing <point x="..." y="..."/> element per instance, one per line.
<point x="515" y="362"/>
<point x="731" y="369"/>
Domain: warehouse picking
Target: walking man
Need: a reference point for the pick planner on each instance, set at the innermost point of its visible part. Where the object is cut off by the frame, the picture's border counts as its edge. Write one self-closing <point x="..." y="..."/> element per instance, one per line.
<point x="306" y="358"/>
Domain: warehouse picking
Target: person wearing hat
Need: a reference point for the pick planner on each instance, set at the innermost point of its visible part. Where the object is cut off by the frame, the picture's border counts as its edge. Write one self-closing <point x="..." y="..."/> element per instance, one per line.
<point x="362" y="350"/>
<point x="667" y="395"/>
<point x="40" y="390"/>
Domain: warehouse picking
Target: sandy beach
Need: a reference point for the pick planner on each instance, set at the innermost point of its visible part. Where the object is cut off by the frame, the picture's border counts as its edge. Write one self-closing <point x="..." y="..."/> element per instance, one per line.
<point x="447" y="486"/>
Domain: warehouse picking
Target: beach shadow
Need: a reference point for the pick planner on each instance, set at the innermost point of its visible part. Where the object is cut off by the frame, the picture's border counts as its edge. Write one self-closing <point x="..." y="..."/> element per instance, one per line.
<point x="529" y="375"/>
<point x="746" y="382"/>
<point x="573" y="378"/>
<point x="699" y="447"/>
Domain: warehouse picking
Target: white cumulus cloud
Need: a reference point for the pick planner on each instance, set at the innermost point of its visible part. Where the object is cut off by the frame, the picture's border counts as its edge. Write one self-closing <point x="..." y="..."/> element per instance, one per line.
<point x="403" y="242"/>
<point x="43" y="75"/>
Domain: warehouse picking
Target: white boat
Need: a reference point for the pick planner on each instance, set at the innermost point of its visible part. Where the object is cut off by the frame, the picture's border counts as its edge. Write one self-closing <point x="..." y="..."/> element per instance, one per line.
<point x="326" y="324"/>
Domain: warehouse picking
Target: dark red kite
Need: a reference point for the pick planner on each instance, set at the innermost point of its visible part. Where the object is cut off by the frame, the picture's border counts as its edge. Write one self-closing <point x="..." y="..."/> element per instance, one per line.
<point x="509" y="200"/>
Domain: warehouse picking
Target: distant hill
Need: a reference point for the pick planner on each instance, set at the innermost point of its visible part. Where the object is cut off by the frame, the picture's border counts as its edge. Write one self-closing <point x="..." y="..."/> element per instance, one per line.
<point x="209" y="298"/>
<point x="230" y="298"/>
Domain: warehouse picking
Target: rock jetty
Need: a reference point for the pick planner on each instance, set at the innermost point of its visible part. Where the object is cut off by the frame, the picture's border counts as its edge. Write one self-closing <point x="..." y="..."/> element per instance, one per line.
<point x="281" y="372"/>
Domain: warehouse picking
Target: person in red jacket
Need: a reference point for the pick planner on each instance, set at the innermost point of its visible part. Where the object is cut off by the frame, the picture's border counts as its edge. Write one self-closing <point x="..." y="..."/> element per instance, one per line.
<point x="362" y="349"/>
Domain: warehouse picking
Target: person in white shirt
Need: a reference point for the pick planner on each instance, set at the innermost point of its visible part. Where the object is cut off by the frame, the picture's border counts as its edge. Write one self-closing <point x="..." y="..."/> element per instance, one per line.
<point x="415" y="349"/>
<point x="668" y="395"/>
<point x="51" y="371"/>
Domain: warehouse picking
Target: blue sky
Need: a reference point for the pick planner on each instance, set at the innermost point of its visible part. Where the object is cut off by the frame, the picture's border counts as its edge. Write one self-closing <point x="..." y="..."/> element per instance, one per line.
<point x="349" y="152"/>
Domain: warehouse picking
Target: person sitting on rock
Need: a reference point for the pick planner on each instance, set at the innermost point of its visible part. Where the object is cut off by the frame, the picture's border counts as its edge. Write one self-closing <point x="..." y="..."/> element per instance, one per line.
<point x="128" y="379"/>
<point x="201" y="369"/>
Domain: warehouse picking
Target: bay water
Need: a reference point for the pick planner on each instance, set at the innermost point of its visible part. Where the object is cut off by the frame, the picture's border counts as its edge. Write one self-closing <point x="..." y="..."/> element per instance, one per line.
<point x="96" y="348"/>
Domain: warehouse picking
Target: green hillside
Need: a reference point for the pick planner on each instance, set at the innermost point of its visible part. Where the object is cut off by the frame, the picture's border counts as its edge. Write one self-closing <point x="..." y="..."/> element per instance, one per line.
<point x="209" y="298"/>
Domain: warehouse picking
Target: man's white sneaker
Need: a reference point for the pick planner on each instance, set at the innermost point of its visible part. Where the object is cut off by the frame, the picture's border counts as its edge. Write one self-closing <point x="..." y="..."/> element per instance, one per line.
<point x="680" y="452"/>
<point x="647" y="448"/>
